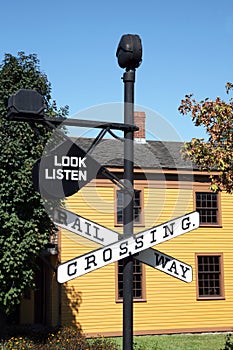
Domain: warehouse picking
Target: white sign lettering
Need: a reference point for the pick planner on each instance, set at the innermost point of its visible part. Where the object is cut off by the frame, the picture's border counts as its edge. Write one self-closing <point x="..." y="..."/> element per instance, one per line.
<point x="126" y="247"/>
<point x="65" y="174"/>
<point x="70" y="161"/>
<point x="83" y="227"/>
<point x="57" y="173"/>
<point x="167" y="264"/>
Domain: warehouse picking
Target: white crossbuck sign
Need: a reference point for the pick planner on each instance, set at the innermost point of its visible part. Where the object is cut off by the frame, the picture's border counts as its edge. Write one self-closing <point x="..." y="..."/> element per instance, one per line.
<point x="116" y="248"/>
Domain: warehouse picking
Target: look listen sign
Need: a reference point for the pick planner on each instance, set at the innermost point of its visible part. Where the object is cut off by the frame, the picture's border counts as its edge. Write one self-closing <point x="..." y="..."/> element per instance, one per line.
<point x="64" y="171"/>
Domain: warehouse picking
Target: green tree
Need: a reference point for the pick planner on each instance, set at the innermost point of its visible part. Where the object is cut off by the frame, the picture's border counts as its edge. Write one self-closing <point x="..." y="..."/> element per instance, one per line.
<point x="24" y="225"/>
<point x="214" y="155"/>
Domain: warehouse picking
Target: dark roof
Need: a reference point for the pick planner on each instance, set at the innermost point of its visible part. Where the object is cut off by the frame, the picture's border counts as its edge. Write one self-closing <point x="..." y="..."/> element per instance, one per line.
<point x="151" y="154"/>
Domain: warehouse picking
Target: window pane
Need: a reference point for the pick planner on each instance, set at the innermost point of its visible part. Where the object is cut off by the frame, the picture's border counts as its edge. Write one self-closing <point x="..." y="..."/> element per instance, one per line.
<point x="137" y="279"/>
<point x="120" y="216"/>
<point x="137" y="194"/>
<point x="120" y="198"/>
<point x="209" y="276"/>
<point x="207" y="206"/>
<point x="137" y="215"/>
<point x="136" y="207"/>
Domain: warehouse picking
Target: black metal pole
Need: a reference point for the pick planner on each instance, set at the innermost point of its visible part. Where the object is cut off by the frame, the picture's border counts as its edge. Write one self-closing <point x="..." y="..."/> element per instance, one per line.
<point x="128" y="218"/>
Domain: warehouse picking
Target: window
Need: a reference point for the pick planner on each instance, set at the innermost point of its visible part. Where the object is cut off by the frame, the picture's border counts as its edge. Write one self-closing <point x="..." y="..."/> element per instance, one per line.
<point x="207" y="206"/>
<point x="210" y="276"/>
<point x="137" y="207"/>
<point x="138" y="280"/>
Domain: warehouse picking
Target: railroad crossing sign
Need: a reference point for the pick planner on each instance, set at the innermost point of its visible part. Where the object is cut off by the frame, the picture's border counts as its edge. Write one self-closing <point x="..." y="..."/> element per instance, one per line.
<point x="119" y="249"/>
<point x="104" y="236"/>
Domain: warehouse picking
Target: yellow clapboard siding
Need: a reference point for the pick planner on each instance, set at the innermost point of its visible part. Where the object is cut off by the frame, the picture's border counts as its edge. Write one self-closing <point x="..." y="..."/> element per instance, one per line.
<point x="170" y="303"/>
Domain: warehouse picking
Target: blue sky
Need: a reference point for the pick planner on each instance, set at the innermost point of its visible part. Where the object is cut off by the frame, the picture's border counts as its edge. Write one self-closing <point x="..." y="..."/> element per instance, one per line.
<point x="187" y="48"/>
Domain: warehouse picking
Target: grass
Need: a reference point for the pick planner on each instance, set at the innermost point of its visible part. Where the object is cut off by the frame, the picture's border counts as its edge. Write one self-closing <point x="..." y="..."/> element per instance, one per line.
<point x="69" y="338"/>
<point x="178" y="342"/>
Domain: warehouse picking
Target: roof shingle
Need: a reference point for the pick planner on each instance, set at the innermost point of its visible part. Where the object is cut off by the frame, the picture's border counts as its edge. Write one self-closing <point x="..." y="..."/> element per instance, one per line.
<point x="151" y="154"/>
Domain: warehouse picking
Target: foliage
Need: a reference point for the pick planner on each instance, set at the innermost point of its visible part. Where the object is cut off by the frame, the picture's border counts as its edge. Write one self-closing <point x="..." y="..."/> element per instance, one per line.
<point x="228" y="344"/>
<point x="69" y="338"/>
<point x="102" y="344"/>
<point x="24" y="224"/>
<point x="217" y="153"/>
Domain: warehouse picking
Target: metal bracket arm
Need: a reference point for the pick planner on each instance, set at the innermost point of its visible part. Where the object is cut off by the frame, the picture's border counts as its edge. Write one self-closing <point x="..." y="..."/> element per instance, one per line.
<point x="72" y="122"/>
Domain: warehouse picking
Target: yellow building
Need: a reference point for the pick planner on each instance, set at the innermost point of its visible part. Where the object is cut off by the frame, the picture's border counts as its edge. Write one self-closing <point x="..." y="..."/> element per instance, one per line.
<point x="166" y="187"/>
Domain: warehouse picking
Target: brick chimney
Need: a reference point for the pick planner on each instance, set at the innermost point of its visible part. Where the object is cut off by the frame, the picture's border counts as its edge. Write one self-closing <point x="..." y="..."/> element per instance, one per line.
<point x="139" y="120"/>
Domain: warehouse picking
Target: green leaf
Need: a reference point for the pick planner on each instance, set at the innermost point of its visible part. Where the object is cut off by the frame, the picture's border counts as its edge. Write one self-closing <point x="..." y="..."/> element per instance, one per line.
<point x="24" y="224"/>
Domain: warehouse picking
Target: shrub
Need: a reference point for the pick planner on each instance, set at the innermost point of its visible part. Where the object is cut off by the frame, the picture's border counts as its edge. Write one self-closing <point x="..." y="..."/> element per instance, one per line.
<point x="64" y="338"/>
<point x="228" y="344"/>
<point x="102" y="344"/>
<point x="17" y="343"/>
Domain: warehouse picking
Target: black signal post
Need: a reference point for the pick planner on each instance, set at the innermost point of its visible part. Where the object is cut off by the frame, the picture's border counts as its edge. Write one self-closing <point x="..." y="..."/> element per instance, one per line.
<point x="129" y="54"/>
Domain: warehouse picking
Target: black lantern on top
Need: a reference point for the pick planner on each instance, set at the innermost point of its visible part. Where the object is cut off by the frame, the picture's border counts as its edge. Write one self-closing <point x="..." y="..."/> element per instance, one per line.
<point x="129" y="51"/>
